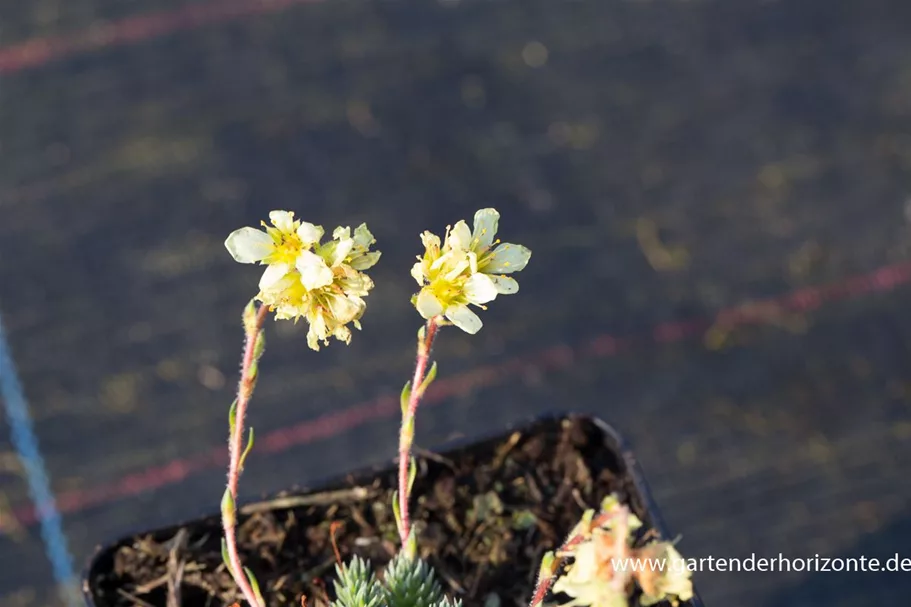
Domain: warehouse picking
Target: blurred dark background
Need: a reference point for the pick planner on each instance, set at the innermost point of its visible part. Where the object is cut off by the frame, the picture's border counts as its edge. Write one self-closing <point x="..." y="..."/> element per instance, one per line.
<point x="720" y="187"/>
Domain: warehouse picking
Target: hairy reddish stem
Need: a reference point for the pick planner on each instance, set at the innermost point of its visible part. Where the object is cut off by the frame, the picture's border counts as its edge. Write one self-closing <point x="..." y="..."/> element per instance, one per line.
<point x="406" y="439"/>
<point x="236" y="444"/>
<point x="546" y="581"/>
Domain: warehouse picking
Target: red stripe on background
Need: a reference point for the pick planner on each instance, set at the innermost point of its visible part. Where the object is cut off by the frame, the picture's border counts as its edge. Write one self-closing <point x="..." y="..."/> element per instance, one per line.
<point x="131" y="30"/>
<point x="557" y="357"/>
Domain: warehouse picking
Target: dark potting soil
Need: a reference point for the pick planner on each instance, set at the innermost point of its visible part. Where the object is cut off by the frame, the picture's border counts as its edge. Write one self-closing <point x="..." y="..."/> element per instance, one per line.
<point x="485" y="514"/>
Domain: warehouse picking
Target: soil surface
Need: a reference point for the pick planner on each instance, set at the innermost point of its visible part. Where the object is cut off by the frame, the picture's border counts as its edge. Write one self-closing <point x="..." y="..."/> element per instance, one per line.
<point x="486" y="514"/>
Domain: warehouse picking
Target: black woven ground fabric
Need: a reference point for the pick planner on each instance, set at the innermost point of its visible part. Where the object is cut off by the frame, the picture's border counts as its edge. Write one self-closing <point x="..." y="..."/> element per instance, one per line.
<point x="677" y="168"/>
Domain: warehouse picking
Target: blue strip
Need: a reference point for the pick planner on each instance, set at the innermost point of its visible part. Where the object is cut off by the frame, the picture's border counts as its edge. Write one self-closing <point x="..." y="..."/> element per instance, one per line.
<point x="26" y="445"/>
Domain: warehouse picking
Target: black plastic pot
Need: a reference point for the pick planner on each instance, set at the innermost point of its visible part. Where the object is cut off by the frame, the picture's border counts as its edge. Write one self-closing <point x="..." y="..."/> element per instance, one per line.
<point x="640" y="498"/>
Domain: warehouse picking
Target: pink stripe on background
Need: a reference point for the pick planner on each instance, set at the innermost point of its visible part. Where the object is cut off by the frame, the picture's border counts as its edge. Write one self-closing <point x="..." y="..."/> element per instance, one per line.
<point x="36" y="52"/>
<point x="554" y="358"/>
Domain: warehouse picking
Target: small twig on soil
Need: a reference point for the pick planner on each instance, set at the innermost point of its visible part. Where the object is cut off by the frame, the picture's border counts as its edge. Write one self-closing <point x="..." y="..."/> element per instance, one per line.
<point x="189" y="568"/>
<point x="333" y="529"/>
<point x="504" y="450"/>
<point x="533" y="488"/>
<point x="427" y="454"/>
<point x="449" y="579"/>
<point x="315" y="572"/>
<point x="175" y="567"/>
<point x="482" y="569"/>
<point x="579" y="501"/>
<point x="133" y="598"/>
<point x="325" y="498"/>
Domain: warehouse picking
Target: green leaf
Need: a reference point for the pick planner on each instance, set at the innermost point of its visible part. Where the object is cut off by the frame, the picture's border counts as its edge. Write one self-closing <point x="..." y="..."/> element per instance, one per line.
<point x="243" y="456"/>
<point x="411" y="545"/>
<point x="406" y="396"/>
<point x="249" y="317"/>
<point x="408" y="431"/>
<point x="255" y="585"/>
<point x="228" y="509"/>
<point x="232" y="416"/>
<point x="547" y="566"/>
<point x="259" y="346"/>
<point x="422" y="333"/>
<point x="428" y="379"/>
<point x="397" y="511"/>
<point x="412" y="473"/>
<point x="224" y="555"/>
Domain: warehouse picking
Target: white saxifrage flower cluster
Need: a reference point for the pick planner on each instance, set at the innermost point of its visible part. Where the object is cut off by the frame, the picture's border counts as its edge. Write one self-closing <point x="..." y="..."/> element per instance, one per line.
<point x="324" y="283"/>
<point x="466" y="269"/>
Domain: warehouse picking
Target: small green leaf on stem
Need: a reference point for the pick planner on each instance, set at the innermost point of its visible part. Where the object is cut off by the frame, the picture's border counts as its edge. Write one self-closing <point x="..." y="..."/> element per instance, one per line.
<point x="408" y="432"/>
<point x="428" y="379"/>
<point x="396" y="511"/>
<point x="259" y="346"/>
<point x="228" y="510"/>
<point x="243" y="456"/>
<point x="406" y="396"/>
<point x="422" y="334"/>
<point x="548" y="566"/>
<point x="411" y="545"/>
<point x="587" y="517"/>
<point x="225" y="557"/>
<point x="412" y="474"/>
<point x="249" y="317"/>
<point x="255" y="585"/>
<point x="232" y="416"/>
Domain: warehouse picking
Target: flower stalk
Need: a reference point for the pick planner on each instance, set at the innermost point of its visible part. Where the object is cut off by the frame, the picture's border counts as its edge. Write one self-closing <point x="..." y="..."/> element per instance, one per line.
<point x="253" y="349"/>
<point x="411" y="398"/>
<point x="550" y="564"/>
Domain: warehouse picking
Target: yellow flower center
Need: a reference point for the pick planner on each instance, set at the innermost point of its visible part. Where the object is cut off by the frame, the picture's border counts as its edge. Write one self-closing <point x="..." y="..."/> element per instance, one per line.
<point x="287" y="249"/>
<point x="448" y="292"/>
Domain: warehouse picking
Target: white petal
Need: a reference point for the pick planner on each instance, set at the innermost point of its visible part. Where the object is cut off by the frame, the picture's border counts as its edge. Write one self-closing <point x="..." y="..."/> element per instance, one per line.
<point x="343" y="309"/>
<point x="428" y="306"/>
<point x="362" y="236"/>
<point x="430" y="240"/>
<point x="479" y="289"/>
<point x="341" y="233"/>
<point x="313" y="270"/>
<point x="460" y="236"/>
<point x="473" y="262"/>
<point x="464" y="319"/>
<point x="283" y="220"/>
<point x="455" y="265"/>
<point x="249" y="245"/>
<point x="341" y="251"/>
<point x="485" y="228"/>
<point x="315" y="333"/>
<point x="505" y="285"/>
<point x="309" y="233"/>
<point x="417" y="272"/>
<point x="274" y="273"/>
<point x="365" y="261"/>
<point x="507" y="258"/>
